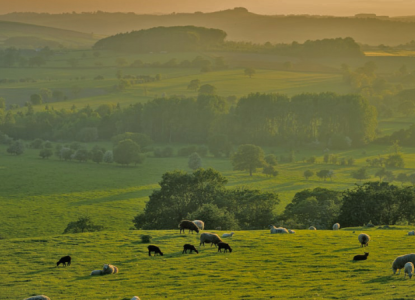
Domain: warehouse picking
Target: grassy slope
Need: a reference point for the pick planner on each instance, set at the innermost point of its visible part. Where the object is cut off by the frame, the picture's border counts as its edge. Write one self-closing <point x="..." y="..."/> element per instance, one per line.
<point x="307" y="265"/>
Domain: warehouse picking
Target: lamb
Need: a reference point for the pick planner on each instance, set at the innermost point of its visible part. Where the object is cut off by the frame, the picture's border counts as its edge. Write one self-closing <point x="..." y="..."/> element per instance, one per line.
<point x="364" y="239"/>
<point x="361" y="257"/>
<point x="400" y="261"/>
<point x="409" y="269"/>
<point x="227" y="235"/>
<point x="199" y="224"/>
<point x="312" y="228"/>
<point x="186" y="224"/>
<point x="211" y="238"/>
<point x="336" y="226"/>
<point x="38" y="297"/>
<point x="109" y="269"/>
<point x="155" y="249"/>
<point x="411" y="232"/>
<point x="222" y="245"/>
<point x="66" y="260"/>
<point x="96" y="272"/>
<point x="189" y="247"/>
<point x="291" y="231"/>
<point x="274" y="229"/>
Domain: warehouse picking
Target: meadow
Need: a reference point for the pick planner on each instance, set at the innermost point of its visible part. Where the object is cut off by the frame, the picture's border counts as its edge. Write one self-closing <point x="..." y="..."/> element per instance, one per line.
<point x="305" y="265"/>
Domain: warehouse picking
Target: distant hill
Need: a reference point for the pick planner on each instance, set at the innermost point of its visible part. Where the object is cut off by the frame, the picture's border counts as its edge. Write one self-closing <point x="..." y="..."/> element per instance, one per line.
<point x="239" y="24"/>
<point x="34" y="36"/>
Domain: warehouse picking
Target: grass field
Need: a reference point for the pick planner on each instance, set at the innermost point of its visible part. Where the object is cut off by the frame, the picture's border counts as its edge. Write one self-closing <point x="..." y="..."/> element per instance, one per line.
<point x="306" y="265"/>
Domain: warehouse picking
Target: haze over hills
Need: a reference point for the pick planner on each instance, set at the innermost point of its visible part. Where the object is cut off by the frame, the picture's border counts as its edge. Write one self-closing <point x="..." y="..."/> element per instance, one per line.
<point x="238" y="23"/>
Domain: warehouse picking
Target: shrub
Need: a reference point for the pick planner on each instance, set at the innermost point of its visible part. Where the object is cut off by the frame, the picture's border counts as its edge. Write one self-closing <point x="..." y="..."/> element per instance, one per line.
<point x="83" y="224"/>
<point x="311" y="160"/>
<point x="17" y="147"/>
<point x="146" y="238"/>
<point x="308" y="173"/>
<point x="395" y="161"/>
<point x="195" y="161"/>
<point x="108" y="157"/>
<point x="45" y="153"/>
<point x="269" y="170"/>
<point x="186" y="151"/>
<point x="271" y="159"/>
<point x="37" y="144"/>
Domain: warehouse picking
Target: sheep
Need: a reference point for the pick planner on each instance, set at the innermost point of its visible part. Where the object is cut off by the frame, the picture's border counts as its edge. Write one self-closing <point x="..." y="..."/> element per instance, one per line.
<point x="312" y="228"/>
<point x="96" y="272"/>
<point x="409" y="269"/>
<point x="336" y="226"/>
<point x="227" y="235"/>
<point x="186" y="224"/>
<point x="199" y="224"/>
<point x="274" y="229"/>
<point x="211" y="238"/>
<point x="189" y="247"/>
<point x="411" y="232"/>
<point x="364" y="239"/>
<point x="38" y="297"/>
<point x="155" y="249"/>
<point x="361" y="257"/>
<point x="222" y="245"/>
<point x="109" y="269"/>
<point x="400" y="261"/>
<point x="291" y="231"/>
<point x="135" y="298"/>
<point x="66" y="260"/>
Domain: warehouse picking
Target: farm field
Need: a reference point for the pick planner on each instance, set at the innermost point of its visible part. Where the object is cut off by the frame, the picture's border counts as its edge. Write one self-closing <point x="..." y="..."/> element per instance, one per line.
<point x="305" y="265"/>
<point x="40" y="197"/>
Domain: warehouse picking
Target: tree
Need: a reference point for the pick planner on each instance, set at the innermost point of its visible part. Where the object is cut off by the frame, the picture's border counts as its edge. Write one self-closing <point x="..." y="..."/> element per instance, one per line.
<point x="46" y="94"/>
<point x="97" y="156"/>
<point x="402" y="178"/>
<point x="83" y="224"/>
<point x="360" y="174"/>
<point x="248" y="157"/>
<point x="108" y="157"/>
<point x="37" y="144"/>
<point x="45" y="153"/>
<point x="269" y="170"/>
<point x="271" y="159"/>
<point x="66" y="153"/>
<point x="81" y="155"/>
<point x="381" y="173"/>
<point x="308" y="173"/>
<point x="17" y="147"/>
<point x="195" y="161"/>
<point x="207" y="89"/>
<point x="36" y="99"/>
<point x="324" y="174"/>
<point x="249" y="72"/>
<point x="194" y="84"/>
<point x="395" y="148"/>
<point x="214" y="217"/>
<point x="126" y="152"/>
<point x="395" y="161"/>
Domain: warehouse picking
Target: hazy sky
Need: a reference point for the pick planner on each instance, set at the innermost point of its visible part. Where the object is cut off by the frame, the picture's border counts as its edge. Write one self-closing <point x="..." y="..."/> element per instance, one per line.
<point x="319" y="7"/>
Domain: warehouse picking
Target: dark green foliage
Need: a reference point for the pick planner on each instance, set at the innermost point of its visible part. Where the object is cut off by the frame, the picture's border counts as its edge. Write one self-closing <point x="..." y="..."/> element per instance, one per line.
<point x="88" y="134"/>
<point x="271" y="159"/>
<point x="324" y="174"/>
<point x="165" y="152"/>
<point x="16" y="148"/>
<point x="139" y="138"/>
<point x="45" y="153"/>
<point x="194" y="85"/>
<point x="319" y="207"/>
<point x="219" y="145"/>
<point x="249" y="72"/>
<point x="350" y="161"/>
<point x="177" y="38"/>
<point x="360" y="174"/>
<point x="97" y="155"/>
<point x="37" y="144"/>
<point x="195" y="161"/>
<point x="36" y="99"/>
<point x="269" y="170"/>
<point x="395" y="161"/>
<point x="380" y="202"/>
<point x="66" y="153"/>
<point x="248" y="157"/>
<point x="186" y="151"/>
<point x="145" y="239"/>
<point x="127" y="152"/>
<point x="207" y="89"/>
<point x="214" y="217"/>
<point x="83" y="224"/>
<point x="308" y="173"/>
<point x="402" y="177"/>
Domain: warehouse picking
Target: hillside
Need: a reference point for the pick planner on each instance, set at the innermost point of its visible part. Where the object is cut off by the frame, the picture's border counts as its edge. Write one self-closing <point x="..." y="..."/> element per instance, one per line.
<point x="239" y="24"/>
<point x="305" y="265"/>
<point x="21" y="35"/>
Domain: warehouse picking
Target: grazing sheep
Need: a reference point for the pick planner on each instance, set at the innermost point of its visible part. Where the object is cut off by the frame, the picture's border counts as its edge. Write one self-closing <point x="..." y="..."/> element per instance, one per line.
<point x="135" y="298"/>
<point x="336" y="226"/>
<point x="96" y="272"/>
<point x="274" y="229"/>
<point x="39" y="297"/>
<point x="361" y="257"/>
<point x="409" y="269"/>
<point x="227" y="235"/>
<point x="155" y="249"/>
<point x="400" y="261"/>
<point x="199" y="224"/>
<point x="291" y="231"/>
<point x="222" y="245"/>
<point x="364" y="239"/>
<point x="211" y="238"/>
<point x="109" y="269"/>
<point x="312" y="228"/>
<point x="189" y="247"/>
<point x="64" y="260"/>
<point x="411" y="232"/>
<point x="186" y="224"/>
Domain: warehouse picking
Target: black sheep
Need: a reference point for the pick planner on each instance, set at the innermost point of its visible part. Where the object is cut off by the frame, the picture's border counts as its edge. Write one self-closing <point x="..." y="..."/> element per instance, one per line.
<point x="64" y="260"/>
<point x="186" y="224"/>
<point x="189" y="247"/>
<point x="361" y="257"/>
<point x="222" y="245"/>
<point x="154" y="249"/>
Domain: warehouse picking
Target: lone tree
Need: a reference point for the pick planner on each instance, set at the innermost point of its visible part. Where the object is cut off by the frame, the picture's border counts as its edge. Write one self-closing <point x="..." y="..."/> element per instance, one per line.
<point x="36" y="99"/>
<point x="194" y="84"/>
<point x="248" y="157"/>
<point x="360" y="174"/>
<point x="308" y="173"/>
<point x="249" y="72"/>
<point x="127" y="152"/>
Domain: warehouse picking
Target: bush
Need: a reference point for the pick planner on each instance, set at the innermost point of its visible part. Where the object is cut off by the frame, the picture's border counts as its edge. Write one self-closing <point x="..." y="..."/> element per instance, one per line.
<point x="271" y="159"/>
<point x="186" y="151"/>
<point x="146" y="238"/>
<point x="395" y="161"/>
<point x="83" y="224"/>
<point x="17" y="147"/>
<point x="311" y="160"/>
<point x="195" y="161"/>
<point x="45" y="153"/>
<point x="308" y="173"/>
<point x="166" y="152"/>
<point x="37" y="144"/>
<point x="269" y="170"/>
<point x="214" y="217"/>
<point x="108" y="157"/>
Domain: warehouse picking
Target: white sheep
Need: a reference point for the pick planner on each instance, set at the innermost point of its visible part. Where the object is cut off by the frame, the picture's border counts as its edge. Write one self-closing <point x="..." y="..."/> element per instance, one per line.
<point x="135" y="298"/>
<point x="336" y="226"/>
<point x="411" y="232"/>
<point x="409" y="269"/>
<point x="312" y="228"/>
<point x="199" y="224"/>
<point x="227" y="234"/>
<point x="39" y="297"/>
<point x="274" y="229"/>
<point x="291" y="231"/>
<point x="364" y="239"/>
<point x="400" y="261"/>
<point x="109" y="269"/>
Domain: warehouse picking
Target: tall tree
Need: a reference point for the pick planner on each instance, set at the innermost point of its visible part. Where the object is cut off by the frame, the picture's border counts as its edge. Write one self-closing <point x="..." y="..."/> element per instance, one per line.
<point x="248" y="157"/>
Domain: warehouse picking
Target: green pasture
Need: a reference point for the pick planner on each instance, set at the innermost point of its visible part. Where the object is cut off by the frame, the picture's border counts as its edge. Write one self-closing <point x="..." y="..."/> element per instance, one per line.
<point x="305" y="265"/>
<point x="40" y="197"/>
